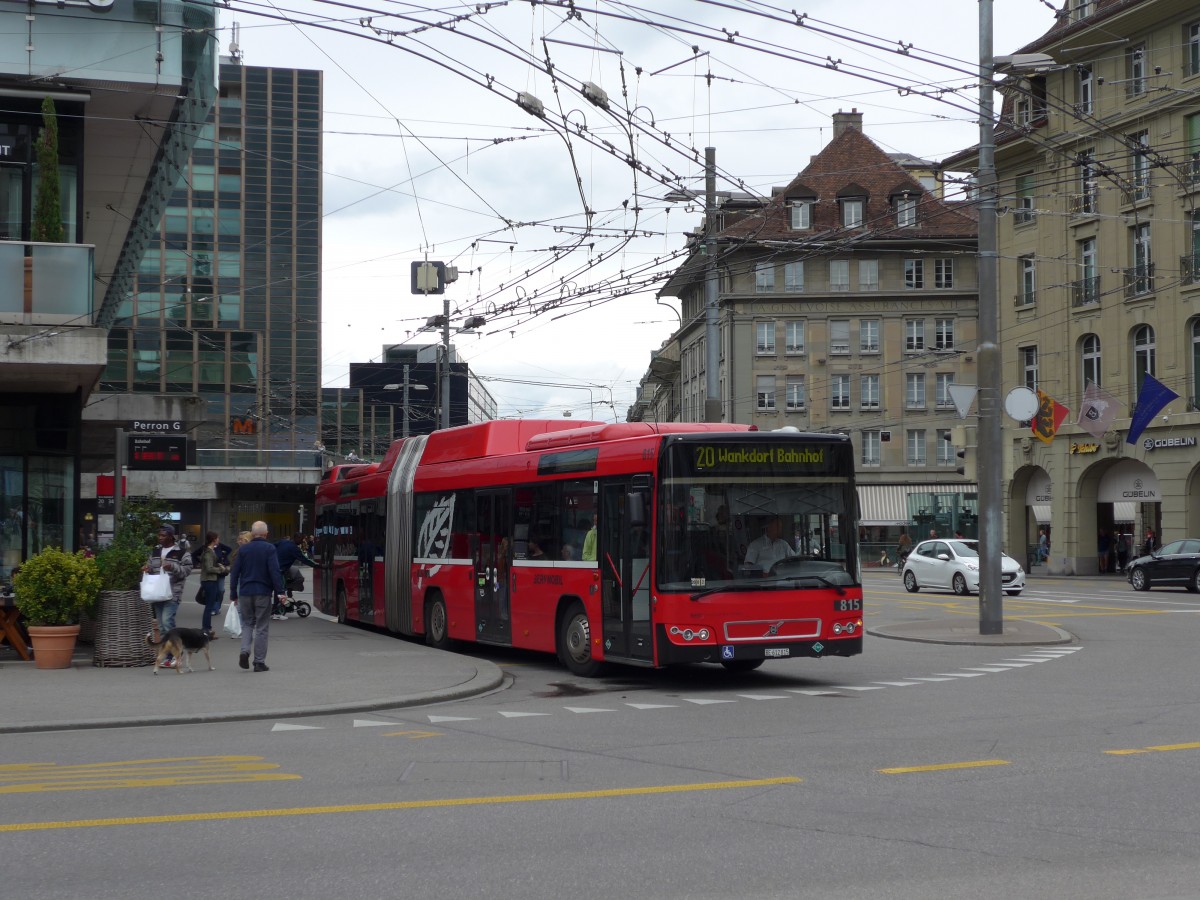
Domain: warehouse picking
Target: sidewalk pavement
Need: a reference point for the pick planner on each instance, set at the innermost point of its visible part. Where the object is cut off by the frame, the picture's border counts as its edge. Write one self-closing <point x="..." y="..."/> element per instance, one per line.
<point x="317" y="667"/>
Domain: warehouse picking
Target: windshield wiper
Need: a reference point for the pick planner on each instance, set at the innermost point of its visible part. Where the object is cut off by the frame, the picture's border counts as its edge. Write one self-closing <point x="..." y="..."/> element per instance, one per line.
<point x="742" y="587"/>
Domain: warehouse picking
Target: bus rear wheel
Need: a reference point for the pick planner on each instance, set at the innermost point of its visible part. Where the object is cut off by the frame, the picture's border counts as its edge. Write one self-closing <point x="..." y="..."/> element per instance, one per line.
<point x="341" y="605"/>
<point x="437" y="624"/>
<point x="575" y="642"/>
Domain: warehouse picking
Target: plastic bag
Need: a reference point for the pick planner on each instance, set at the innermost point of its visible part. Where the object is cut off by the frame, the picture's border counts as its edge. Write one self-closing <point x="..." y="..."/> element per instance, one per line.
<point x="233" y="621"/>
<point x="156" y="587"/>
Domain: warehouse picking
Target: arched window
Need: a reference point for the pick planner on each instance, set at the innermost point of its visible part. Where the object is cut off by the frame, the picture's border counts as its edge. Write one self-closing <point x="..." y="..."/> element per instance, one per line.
<point x="1194" y="400"/>
<point x="1089" y="349"/>
<point x="1144" y="352"/>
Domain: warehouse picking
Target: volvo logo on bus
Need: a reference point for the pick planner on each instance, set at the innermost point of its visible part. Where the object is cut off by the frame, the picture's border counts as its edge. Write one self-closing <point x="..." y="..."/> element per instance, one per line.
<point x="773" y="630"/>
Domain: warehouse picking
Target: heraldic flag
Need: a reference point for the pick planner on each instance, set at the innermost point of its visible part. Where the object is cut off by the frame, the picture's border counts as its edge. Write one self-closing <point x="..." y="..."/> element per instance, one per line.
<point x="1049" y="416"/>
<point x="1153" y="396"/>
<point x="1098" y="410"/>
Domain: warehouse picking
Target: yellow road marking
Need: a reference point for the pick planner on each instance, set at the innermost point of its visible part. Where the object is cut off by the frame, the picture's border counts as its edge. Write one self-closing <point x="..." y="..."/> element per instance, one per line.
<point x="28" y="778"/>
<point x="979" y="763"/>
<point x="1161" y="748"/>
<point x="413" y="735"/>
<point x="406" y="804"/>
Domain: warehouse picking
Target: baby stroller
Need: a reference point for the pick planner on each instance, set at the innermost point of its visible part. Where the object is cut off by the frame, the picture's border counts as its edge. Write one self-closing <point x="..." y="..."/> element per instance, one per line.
<point x="293" y="580"/>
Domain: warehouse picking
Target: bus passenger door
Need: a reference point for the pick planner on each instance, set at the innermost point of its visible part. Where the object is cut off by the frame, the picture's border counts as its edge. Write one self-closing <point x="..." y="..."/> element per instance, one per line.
<point x="624" y="557"/>
<point x="493" y="556"/>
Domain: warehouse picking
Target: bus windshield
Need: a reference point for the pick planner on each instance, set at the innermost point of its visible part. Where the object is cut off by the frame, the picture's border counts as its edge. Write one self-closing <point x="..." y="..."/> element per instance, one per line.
<point x="758" y="512"/>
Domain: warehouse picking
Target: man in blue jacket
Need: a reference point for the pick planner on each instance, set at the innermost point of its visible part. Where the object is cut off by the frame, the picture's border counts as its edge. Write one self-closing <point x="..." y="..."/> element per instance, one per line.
<point x="254" y="581"/>
<point x="291" y="556"/>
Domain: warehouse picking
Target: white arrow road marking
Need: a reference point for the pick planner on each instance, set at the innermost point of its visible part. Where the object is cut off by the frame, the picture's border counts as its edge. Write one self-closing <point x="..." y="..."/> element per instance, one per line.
<point x="961" y="674"/>
<point x="652" y="705"/>
<point x="764" y="696"/>
<point x="896" y="683"/>
<point x="521" y="715"/>
<point x="919" y="678"/>
<point x="812" y="693"/>
<point x="369" y="723"/>
<point x="586" y="709"/>
<point x="435" y="719"/>
<point x="699" y="701"/>
<point x="282" y="726"/>
<point x="865" y="687"/>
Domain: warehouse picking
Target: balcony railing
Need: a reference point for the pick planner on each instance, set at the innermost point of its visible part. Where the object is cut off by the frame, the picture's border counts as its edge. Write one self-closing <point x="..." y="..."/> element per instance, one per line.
<point x="225" y="457"/>
<point x="1085" y="291"/>
<point x="1139" y="280"/>
<point x="46" y="283"/>
<point x="1082" y="204"/>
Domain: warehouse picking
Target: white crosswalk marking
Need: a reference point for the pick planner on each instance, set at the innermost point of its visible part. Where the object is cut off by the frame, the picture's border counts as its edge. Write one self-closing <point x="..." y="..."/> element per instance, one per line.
<point x="521" y="715"/>
<point x="586" y="709"/>
<point x="652" y="705"/>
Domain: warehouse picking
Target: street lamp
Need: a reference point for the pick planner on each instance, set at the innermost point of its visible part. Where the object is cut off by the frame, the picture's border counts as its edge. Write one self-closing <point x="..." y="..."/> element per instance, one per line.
<point x="406" y="386"/>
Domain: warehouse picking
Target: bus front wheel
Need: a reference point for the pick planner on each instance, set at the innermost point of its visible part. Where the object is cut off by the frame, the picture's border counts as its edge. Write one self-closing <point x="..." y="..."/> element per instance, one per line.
<point x="437" y="625"/>
<point x="575" y="642"/>
<point x="341" y="605"/>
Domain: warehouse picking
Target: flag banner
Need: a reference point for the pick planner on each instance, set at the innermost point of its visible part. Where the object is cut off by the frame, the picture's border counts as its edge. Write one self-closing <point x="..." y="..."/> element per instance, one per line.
<point x="1049" y="416"/>
<point x="1153" y="396"/>
<point x="1097" y="411"/>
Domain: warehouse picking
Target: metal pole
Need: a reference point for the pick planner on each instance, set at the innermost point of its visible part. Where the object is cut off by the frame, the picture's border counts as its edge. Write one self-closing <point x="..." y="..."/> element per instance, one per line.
<point x="405" y="433"/>
<point x="712" y="326"/>
<point x="989" y="449"/>
<point x="445" y="362"/>
<point x="118" y="477"/>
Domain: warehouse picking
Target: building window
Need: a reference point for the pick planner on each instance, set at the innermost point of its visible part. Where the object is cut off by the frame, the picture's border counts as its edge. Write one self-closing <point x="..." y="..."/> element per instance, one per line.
<point x="870" y="448"/>
<point x="947" y="453"/>
<point x="906" y="211"/>
<point x="1135" y="71"/>
<point x="794" y="336"/>
<point x="1139" y="279"/>
<point x="839" y="392"/>
<point x="839" y="337"/>
<point x="1080" y="9"/>
<point x="1191" y="48"/>
<point x="1090" y="358"/>
<point x="839" y="275"/>
<point x="914" y="335"/>
<point x="1190" y="264"/>
<point x="1139" y="165"/>
<point x="765" y="392"/>
<point x="1029" y="367"/>
<point x="914" y="390"/>
<point x="1085" y="84"/>
<point x="1028" y="280"/>
<point x="943" y="273"/>
<point x="793" y="278"/>
<point x="1194" y="400"/>
<point x="1192" y="168"/>
<point x="943" y="334"/>
<point x="915" y="440"/>
<point x="1145" y="351"/>
<point x="868" y="335"/>
<point x="868" y="273"/>
<point x="764" y="277"/>
<point x="943" y="399"/>
<point x="852" y="212"/>
<point x="1087" y="288"/>
<point x="797" y="399"/>
<point x="1024" y="212"/>
<point x="765" y="344"/>
<point x="1085" y="200"/>
<point x="914" y="274"/>
<point x="800" y="214"/>
<point x="868" y="391"/>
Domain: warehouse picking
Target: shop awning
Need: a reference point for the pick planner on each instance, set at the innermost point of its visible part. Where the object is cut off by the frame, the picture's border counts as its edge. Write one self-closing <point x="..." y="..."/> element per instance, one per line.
<point x="1125" y="511"/>
<point x="1041" y="512"/>
<point x="883" y="504"/>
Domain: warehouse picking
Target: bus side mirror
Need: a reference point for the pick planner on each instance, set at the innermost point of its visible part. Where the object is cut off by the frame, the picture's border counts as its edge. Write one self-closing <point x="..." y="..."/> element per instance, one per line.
<point x="635" y="504"/>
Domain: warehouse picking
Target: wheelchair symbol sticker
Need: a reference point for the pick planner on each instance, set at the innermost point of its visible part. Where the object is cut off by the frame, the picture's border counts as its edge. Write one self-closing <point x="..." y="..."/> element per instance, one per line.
<point x="726" y="652"/>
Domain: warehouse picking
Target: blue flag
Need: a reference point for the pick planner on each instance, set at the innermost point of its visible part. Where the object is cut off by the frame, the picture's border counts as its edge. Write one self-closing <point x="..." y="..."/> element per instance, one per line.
<point x="1152" y="398"/>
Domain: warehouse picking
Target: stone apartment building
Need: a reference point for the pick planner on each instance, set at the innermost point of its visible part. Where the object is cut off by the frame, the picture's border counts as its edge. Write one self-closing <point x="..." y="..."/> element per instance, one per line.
<point x="848" y="302"/>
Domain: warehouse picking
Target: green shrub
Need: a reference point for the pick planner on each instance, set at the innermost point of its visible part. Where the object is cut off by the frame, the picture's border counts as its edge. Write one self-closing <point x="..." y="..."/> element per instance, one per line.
<point x="56" y="588"/>
<point x="121" y="561"/>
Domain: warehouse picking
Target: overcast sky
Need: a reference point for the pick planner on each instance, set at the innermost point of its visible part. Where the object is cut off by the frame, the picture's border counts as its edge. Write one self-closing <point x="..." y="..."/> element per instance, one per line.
<point x="557" y="225"/>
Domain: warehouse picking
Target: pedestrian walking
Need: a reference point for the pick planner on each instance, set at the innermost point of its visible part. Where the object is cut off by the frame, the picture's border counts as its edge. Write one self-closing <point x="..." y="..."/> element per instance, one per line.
<point x="173" y="559"/>
<point x="903" y="548"/>
<point x="253" y="583"/>
<point x="212" y="575"/>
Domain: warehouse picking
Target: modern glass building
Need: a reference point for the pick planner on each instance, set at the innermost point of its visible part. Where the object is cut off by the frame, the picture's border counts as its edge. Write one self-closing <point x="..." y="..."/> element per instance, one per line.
<point x="228" y="299"/>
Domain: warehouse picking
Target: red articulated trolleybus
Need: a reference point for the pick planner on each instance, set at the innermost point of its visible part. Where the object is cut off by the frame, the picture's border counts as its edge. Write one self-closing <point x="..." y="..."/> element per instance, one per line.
<point x="636" y="543"/>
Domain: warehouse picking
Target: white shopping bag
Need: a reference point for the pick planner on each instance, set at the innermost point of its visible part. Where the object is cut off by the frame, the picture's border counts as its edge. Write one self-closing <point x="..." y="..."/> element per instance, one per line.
<point x="156" y="587"/>
<point x="233" y="621"/>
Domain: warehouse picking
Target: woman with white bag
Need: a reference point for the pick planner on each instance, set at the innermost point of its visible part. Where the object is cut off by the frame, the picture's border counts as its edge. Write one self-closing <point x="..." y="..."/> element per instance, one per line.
<point x="168" y="557"/>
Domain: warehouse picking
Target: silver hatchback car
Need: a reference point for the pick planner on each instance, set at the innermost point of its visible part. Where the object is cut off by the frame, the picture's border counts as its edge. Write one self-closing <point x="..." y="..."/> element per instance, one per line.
<point x="953" y="565"/>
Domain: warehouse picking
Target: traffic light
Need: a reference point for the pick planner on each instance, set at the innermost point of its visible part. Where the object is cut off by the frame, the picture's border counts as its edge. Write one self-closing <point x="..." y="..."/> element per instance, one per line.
<point x="958" y="437"/>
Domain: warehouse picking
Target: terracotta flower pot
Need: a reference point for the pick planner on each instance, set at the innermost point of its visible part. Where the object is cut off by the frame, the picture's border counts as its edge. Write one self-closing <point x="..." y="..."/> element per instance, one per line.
<point x="53" y="645"/>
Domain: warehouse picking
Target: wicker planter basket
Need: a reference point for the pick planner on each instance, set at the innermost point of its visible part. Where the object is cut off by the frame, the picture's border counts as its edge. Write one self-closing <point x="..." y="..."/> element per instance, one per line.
<point x="122" y="621"/>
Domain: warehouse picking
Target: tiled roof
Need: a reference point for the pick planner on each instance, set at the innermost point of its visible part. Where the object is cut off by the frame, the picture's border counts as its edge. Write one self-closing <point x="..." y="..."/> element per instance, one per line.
<point x="854" y="165"/>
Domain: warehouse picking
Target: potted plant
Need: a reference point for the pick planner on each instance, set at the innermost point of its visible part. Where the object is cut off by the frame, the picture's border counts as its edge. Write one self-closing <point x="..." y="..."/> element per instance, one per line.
<point x="122" y="619"/>
<point x="52" y="590"/>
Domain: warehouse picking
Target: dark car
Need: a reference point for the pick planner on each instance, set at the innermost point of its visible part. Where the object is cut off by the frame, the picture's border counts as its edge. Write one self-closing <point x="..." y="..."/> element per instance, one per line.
<point x="1176" y="564"/>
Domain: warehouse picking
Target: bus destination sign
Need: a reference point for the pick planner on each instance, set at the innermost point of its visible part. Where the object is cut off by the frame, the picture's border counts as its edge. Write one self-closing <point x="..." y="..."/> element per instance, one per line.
<point x="733" y="458"/>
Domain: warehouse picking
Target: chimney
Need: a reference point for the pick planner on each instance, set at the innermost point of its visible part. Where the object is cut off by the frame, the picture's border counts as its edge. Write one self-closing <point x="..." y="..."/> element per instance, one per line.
<point x="843" y="121"/>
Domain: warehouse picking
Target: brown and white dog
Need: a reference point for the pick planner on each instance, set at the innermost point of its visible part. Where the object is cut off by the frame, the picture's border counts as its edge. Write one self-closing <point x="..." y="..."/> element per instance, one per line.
<point x="181" y="643"/>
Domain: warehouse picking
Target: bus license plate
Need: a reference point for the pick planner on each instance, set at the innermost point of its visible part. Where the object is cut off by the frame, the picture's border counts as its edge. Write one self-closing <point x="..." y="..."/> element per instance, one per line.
<point x="777" y="651"/>
<point x="847" y="604"/>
